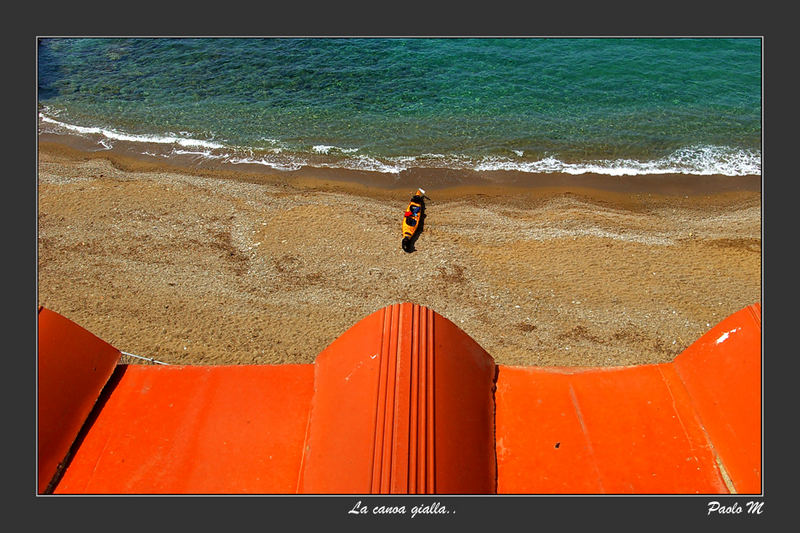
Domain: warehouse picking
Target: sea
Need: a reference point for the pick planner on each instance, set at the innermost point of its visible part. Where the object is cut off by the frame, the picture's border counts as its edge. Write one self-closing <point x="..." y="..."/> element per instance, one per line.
<point x="387" y="106"/>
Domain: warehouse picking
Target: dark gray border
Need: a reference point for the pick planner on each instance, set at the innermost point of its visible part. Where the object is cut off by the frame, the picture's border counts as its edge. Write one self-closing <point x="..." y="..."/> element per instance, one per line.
<point x="490" y="19"/>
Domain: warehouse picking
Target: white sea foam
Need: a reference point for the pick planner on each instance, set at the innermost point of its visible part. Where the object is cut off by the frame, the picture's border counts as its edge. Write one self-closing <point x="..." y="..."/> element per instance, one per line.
<point x="118" y="136"/>
<point x="367" y="163"/>
<point x="202" y="153"/>
<point x="327" y="149"/>
<point x="694" y="160"/>
<point x="698" y="160"/>
<point x="277" y="146"/>
<point x="277" y="165"/>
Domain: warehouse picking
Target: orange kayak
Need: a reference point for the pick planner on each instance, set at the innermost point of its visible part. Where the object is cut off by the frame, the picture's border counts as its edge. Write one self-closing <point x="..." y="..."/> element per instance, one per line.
<point x="411" y="218"/>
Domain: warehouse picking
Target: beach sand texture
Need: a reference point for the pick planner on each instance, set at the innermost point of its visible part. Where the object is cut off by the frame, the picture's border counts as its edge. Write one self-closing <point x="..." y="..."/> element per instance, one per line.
<point x="204" y="267"/>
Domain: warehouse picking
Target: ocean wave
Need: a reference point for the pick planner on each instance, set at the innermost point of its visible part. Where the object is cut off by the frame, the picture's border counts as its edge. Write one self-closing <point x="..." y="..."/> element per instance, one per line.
<point x="206" y="154"/>
<point x="697" y="160"/>
<point x="329" y="149"/>
<point x="286" y="166"/>
<point x="114" y="135"/>
<point x="694" y="160"/>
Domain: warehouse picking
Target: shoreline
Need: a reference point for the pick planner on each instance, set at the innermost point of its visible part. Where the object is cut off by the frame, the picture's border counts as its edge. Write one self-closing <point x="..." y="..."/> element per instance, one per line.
<point x="247" y="266"/>
<point x="450" y="182"/>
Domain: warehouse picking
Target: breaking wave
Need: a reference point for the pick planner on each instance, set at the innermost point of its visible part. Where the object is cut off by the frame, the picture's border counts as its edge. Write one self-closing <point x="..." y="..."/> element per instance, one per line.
<point x="693" y="160"/>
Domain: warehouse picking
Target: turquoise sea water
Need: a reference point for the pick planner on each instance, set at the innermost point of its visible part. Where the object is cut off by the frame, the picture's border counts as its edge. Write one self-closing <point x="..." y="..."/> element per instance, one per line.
<point x="612" y="106"/>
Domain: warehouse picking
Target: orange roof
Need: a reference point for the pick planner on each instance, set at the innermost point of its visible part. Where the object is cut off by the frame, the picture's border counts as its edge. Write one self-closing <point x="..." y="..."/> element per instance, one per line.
<point x="172" y="430"/>
<point x="403" y="402"/>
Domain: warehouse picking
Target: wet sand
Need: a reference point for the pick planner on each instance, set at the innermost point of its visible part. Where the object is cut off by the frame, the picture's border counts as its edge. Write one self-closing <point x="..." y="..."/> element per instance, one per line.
<point x="215" y="266"/>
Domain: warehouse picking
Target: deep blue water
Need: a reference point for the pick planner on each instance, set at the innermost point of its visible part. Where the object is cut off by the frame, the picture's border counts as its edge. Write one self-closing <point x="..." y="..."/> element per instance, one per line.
<point x="616" y="106"/>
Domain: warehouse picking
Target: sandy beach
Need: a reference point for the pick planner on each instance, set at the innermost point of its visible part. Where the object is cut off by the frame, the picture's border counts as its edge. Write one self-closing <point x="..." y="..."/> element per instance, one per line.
<point x="212" y="267"/>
